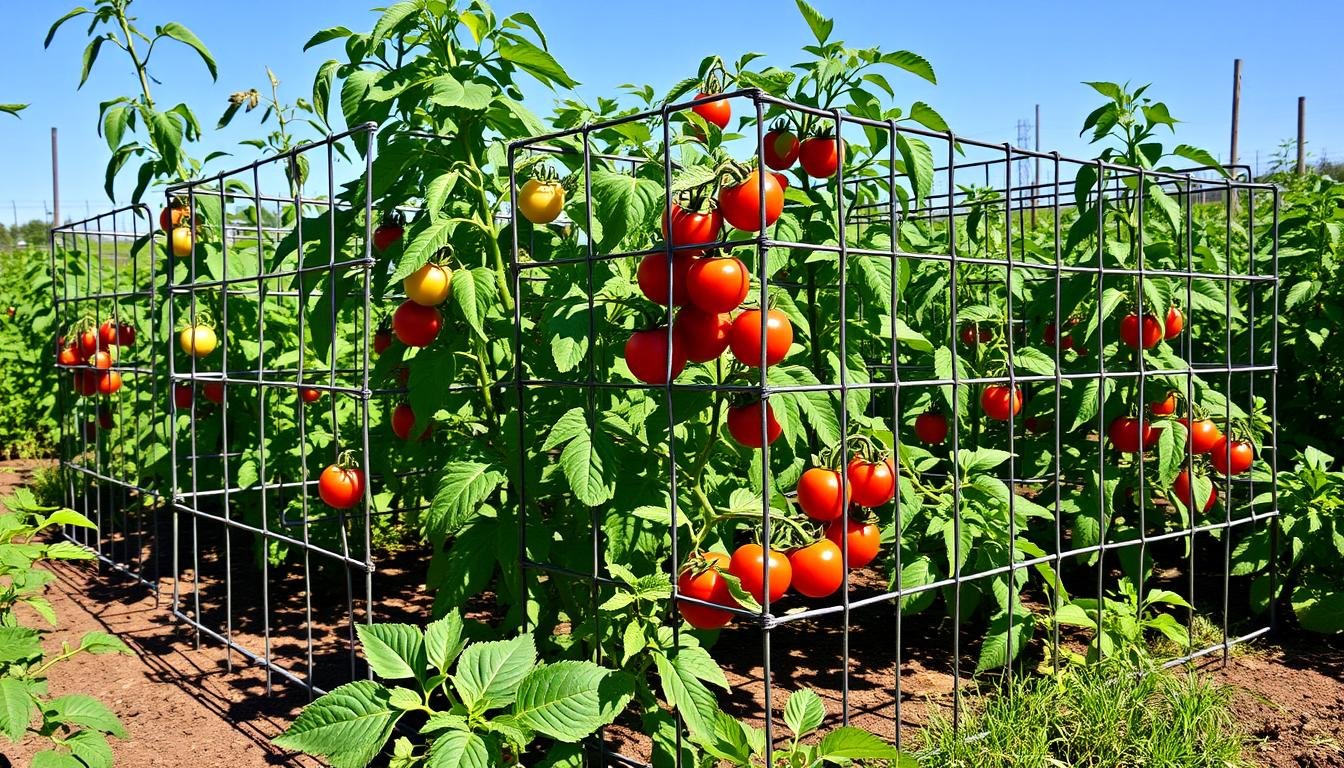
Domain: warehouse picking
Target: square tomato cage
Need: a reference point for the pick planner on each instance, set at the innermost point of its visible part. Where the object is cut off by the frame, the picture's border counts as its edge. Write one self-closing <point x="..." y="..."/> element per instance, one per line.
<point x="970" y="323"/>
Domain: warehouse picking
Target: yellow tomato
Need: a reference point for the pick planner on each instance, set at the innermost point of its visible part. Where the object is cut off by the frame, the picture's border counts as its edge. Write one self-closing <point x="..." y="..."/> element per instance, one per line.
<point x="182" y="241"/>
<point x="198" y="340"/>
<point x="428" y="285"/>
<point x="541" y="201"/>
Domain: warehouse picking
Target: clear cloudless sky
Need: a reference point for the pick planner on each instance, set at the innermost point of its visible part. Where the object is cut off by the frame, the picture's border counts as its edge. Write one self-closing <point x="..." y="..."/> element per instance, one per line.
<point x="994" y="62"/>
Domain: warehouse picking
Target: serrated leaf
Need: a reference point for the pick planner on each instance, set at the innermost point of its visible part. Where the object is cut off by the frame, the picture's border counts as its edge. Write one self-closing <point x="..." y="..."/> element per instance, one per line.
<point x="692" y="700"/>
<point x="91" y="748"/>
<point x="474" y="294"/>
<point x="458" y="749"/>
<point x="97" y="643"/>
<point x="804" y="712"/>
<point x="848" y="743"/>
<point x="444" y="640"/>
<point x="422" y="247"/>
<point x="463" y="487"/>
<point x="16" y="708"/>
<point x="78" y="709"/>
<point x="488" y="673"/>
<point x="536" y="62"/>
<point x="394" y="651"/>
<point x="569" y="700"/>
<point x="348" y="726"/>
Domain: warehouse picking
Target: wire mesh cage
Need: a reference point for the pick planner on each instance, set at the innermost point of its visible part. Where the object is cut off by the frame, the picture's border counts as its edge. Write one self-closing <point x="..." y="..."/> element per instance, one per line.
<point x="105" y="291"/>
<point x="994" y="343"/>
<point x="279" y="377"/>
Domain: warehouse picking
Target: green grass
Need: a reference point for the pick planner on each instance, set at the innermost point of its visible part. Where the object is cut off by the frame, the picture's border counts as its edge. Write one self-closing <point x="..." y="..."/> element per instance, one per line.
<point x="1095" y="717"/>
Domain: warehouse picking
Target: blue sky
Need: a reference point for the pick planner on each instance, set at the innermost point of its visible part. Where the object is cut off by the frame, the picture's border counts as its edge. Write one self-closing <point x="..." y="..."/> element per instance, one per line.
<point x="994" y="62"/>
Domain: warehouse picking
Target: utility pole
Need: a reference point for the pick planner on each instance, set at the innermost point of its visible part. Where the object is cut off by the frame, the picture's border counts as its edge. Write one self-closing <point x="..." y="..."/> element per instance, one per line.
<point x="1301" y="135"/>
<point x="1236" y="108"/>
<point x="55" y="184"/>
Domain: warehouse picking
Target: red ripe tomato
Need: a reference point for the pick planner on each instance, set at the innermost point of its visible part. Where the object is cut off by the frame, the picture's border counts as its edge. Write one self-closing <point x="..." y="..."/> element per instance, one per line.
<point x="107" y="333"/>
<point x="107" y="382"/>
<point x="718" y="112"/>
<point x="1180" y="488"/>
<point x="100" y="360"/>
<point x="818" y="568"/>
<point x="782" y="180"/>
<point x="403" y="421"/>
<point x="86" y="382"/>
<point x="1163" y="406"/>
<point x="69" y="356"/>
<point x="105" y="419"/>
<point x="871" y="483"/>
<point x="865" y="539"/>
<point x="1175" y="323"/>
<point x="781" y="149"/>
<point x="744" y="424"/>
<point x="341" y="487"/>
<point x="213" y="391"/>
<point x="741" y="203"/>
<point x="1232" y="457"/>
<point x="1048" y="336"/>
<point x="749" y="566"/>
<point x="931" y="427"/>
<point x="415" y="324"/>
<point x="704" y="335"/>
<point x="310" y="395"/>
<point x="382" y="340"/>
<point x="1129" y="331"/>
<point x="999" y="401"/>
<point x="693" y="227"/>
<point x="745" y="337"/>
<point x="718" y="284"/>
<point x="819" y="494"/>
<point x="646" y="355"/>
<point x="974" y="333"/>
<point x="386" y="234"/>
<point x="1203" y="435"/>
<point x="821" y="156"/>
<point x="1124" y="433"/>
<point x="705" y="585"/>
<point x="88" y="343"/>
<point x="182" y="395"/>
<point x="125" y="334"/>
<point x="652" y="276"/>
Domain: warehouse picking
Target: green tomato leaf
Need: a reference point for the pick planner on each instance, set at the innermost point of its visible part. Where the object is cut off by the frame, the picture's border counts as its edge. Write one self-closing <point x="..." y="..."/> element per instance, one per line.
<point x="569" y="700"/>
<point x="77" y="709"/>
<point x="804" y="712"/>
<point x="488" y="674"/>
<point x="16" y="708"/>
<point x="458" y="749"/>
<point x="394" y="651"/>
<point x="463" y="486"/>
<point x="348" y="726"/>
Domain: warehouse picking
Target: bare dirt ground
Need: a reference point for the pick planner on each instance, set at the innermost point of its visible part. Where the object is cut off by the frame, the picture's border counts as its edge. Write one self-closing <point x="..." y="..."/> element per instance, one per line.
<point x="183" y="706"/>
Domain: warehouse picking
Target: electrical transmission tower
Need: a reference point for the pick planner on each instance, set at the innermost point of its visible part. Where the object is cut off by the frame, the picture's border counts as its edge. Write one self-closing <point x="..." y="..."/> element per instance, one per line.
<point x="1022" y="174"/>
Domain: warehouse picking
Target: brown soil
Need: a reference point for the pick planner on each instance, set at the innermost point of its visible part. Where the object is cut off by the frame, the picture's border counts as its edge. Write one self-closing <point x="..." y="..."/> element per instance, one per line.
<point x="1290" y="699"/>
<point x="183" y="705"/>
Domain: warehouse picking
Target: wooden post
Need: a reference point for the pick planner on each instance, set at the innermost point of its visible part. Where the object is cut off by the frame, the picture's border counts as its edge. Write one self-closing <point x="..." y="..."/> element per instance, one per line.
<point x="1301" y="135"/>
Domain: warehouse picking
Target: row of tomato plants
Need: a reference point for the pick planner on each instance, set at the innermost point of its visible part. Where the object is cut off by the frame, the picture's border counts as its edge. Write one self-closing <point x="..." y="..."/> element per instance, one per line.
<point x="452" y="253"/>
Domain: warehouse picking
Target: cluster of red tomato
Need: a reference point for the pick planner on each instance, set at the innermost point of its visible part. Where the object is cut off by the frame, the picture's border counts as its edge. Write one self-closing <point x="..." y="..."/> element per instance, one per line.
<point x="1227" y="455"/>
<point x="813" y="570"/>
<point x="91" y="351"/>
<point x="820" y="154"/>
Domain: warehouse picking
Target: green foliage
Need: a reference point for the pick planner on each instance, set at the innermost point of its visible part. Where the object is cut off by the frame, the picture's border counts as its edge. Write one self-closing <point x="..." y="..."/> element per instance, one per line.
<point x="1309" y="547"/>
<point x="77" y="726"/>
<point x="736" y="743"/>
<point x="479" y="704"/>
<point x="134" y="126"/>
<point x="1105" y="715"/>
<point x="28" y="426"/>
